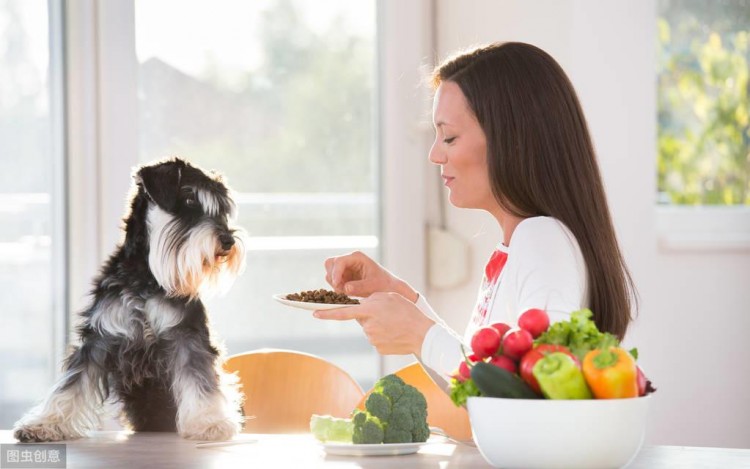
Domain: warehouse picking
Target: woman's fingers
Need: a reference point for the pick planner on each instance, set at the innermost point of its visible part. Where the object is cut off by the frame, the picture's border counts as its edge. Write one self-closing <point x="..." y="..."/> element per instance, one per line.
<point x="329" y="268"/>
<point x="355" y="274"/>
<point x="342" y="269"/>
<point x="341" y="314"/>
<point x="360" y="288"/>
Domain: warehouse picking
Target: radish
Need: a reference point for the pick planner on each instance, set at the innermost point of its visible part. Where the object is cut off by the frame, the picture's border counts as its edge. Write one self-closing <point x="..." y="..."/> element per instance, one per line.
<point x="501" y="361"/>
<point x="485" y="342"/>
<point x="464" y="372"/>
<point x="517" y="342"/>
<point x="642" y="382"/>
<point x="501" y="327"/>
<point x="536" y="321"/>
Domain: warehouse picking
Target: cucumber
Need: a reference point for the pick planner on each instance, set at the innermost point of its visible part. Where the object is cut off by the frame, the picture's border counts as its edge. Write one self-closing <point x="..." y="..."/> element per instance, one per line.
<point x="493" y="381"/>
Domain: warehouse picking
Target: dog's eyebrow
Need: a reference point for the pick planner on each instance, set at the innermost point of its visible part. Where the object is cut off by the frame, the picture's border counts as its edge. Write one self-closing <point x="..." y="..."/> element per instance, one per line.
<point x="209" y="202"/>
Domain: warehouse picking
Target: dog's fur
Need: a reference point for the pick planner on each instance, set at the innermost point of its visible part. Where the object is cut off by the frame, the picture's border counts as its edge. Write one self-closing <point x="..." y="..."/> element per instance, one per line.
<point x="145" y="339"/>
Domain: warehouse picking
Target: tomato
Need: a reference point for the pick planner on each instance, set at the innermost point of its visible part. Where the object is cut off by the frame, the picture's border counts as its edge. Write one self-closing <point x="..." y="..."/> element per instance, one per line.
<point x="501" y="327"/>
<point x="485" y="342"/>
<point x="536" y="321"/>
<point x="501" y="361"/>
<point x="516" y="342"/>
<point x="534" y="355"/>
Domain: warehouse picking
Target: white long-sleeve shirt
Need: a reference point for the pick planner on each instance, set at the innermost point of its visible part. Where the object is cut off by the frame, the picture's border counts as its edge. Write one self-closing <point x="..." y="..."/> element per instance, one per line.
<point x="544" y="269"/>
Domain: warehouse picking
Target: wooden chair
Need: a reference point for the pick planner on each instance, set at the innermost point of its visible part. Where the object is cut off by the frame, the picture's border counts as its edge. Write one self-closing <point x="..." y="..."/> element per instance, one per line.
<point x="441" y="411"/>
<point x="284" y="388"/>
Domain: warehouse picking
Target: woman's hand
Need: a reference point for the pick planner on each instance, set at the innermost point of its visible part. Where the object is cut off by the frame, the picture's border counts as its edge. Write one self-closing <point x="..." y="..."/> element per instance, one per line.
<point x="392" y="323"/>
<point x="355" y="274"/>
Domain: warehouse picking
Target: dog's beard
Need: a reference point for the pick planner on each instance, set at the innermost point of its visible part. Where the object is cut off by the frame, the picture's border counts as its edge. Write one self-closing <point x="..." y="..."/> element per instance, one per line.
<point x="190" y="261"/>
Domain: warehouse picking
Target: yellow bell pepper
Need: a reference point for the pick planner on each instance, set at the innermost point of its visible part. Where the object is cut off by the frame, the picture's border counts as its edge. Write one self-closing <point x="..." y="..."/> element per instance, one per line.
<point x="611" y="373"/>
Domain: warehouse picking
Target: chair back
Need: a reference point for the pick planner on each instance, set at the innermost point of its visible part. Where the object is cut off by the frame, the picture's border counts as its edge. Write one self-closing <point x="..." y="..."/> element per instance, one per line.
<point x="441" y="411"/>
<point x="284" y="388"/>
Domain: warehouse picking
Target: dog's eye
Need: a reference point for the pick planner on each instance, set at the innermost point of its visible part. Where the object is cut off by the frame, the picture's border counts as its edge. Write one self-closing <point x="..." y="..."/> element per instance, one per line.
<point x="190" y="202"/>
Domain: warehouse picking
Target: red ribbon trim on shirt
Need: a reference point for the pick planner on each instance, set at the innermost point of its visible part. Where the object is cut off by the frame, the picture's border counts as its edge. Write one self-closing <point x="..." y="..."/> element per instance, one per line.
<point x="495" y="266"/>
<point x="491" y="274"/>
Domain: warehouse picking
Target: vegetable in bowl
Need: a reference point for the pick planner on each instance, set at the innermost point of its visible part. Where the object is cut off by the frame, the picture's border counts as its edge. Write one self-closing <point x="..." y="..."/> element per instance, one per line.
<point x="567" y="360"/>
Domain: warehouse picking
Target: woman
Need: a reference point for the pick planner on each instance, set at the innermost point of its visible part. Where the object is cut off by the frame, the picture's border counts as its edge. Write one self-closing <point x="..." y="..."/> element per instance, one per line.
<point x="511" y="139"/>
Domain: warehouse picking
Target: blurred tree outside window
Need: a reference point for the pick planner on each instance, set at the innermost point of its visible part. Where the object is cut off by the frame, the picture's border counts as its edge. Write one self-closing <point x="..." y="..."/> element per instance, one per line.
<point x="279" y="96"/>
<point x="704" y="102"/>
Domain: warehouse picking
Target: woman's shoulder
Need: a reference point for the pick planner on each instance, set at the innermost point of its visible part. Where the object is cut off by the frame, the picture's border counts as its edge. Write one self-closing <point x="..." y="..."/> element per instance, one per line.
<point x="541" y="227"/>
<point x="542" y="233"/>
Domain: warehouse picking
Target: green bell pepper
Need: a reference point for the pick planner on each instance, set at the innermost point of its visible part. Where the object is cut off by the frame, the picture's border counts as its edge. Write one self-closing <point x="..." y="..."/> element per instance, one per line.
<point x="560" y="377"/>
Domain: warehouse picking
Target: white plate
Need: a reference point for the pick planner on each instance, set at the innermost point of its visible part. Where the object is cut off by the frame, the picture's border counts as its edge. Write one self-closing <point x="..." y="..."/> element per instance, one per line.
<point x="307" y="305"/>
<point x="385" y="449"/>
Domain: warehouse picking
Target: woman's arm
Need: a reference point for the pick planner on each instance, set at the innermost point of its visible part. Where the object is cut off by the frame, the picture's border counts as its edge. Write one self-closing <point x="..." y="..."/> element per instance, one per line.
<point x="394" y="316"/>
<point x="392" y="324"/>
<point x="441" y="347"/>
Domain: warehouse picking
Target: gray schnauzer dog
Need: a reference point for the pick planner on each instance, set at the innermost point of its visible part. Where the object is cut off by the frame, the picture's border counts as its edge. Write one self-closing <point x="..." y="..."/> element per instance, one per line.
<point x="145" y="339"/>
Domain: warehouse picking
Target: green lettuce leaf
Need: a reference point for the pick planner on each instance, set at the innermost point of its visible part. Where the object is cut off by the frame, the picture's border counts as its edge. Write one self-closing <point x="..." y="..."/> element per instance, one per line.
<point x="579" y="334"/>
<point x="462" y="390"/>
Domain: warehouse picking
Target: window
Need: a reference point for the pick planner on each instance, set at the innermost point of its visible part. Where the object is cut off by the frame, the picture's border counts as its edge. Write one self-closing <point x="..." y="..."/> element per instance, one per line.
<point x="703" y="173"/>
<point x="279" y="96"/>
<point x="704" y="102"/>
<point x="31" y="212"/>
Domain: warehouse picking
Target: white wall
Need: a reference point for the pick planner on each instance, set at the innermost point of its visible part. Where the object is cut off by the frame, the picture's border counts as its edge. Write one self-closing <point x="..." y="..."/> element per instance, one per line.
<point x="694" y="314"/>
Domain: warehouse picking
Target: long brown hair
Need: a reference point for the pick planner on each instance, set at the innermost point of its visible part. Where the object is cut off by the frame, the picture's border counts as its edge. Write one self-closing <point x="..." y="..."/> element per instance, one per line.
<point x="542" y="162"/>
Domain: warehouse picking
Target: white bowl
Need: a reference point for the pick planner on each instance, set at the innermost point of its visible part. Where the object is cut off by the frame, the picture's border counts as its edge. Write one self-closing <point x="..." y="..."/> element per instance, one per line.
<point x="527" y="433"/>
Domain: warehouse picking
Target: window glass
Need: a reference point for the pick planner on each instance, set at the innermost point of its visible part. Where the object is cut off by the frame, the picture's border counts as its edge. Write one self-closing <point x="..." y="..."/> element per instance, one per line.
<point x="704" y="107"/>
<point x="278" y="96"/>
<point x="27" y="293"/>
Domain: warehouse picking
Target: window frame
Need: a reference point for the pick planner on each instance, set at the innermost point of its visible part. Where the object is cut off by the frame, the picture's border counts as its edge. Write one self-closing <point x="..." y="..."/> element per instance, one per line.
<point x="58" y="200"/>
<point x="101" y="144"/>
<point x="703" y="228"/>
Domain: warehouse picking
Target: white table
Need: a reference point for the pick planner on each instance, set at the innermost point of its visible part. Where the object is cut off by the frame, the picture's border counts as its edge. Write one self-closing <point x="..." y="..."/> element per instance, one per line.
<point x="113" y="449"/>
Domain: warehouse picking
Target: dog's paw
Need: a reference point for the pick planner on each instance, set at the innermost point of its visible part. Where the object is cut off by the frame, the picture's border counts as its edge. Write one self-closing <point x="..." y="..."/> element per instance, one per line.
<point x="217" y="431"/>
<point x="33" y="433"/>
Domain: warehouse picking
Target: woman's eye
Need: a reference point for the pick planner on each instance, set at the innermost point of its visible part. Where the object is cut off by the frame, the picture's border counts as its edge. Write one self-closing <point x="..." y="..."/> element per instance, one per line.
<point x="449" y="140"/>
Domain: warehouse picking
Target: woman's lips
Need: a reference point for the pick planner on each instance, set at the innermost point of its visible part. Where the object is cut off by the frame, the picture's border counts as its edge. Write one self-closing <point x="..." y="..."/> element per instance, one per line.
<point x="447" y="180"/>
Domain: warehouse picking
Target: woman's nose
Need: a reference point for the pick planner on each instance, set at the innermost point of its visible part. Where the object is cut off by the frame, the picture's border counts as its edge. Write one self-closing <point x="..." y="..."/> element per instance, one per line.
<point x="436" y="156"/>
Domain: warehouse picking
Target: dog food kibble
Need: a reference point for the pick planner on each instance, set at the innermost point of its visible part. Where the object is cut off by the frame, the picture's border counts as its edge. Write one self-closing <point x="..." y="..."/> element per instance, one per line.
<point x="322" y="296"/>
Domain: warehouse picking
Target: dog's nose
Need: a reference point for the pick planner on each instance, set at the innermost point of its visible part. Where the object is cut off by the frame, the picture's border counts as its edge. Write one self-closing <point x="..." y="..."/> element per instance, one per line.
<point x="227" y="241"/>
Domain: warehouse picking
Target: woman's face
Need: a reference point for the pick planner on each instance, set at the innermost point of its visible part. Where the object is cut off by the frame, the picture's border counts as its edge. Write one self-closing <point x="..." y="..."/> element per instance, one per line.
<point x="460" y="148"/>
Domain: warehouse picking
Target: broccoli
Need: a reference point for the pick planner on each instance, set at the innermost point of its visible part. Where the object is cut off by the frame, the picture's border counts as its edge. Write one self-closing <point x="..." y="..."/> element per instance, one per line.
<point x="379" y="405"/>
<point x="395" y="413"/>
<point x="367" y="428"/>
<point x="391" y="385"/>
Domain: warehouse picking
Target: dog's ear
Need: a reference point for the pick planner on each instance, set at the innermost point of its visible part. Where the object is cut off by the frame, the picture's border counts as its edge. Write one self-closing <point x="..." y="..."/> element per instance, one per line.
<point x="162" y="183"/>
